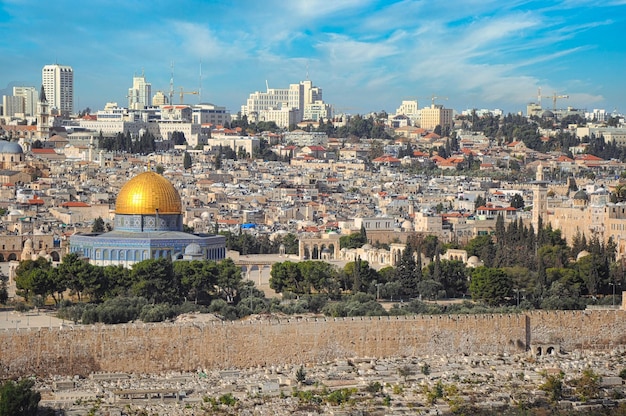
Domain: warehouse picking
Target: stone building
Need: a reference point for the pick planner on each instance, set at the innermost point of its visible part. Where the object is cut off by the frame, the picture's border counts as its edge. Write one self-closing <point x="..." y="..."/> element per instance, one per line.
<point x="148" y="225"/>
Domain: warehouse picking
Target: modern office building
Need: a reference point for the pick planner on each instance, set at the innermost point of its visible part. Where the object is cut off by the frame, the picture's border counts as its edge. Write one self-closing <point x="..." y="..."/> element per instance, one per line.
<point x="29" y="95"/>
<point x="12" y="105"/>
<point x="140" y="94"/>
<point x="58" y="82"/>
<point x="272" y="105"/>
<point x="434" y="116"/>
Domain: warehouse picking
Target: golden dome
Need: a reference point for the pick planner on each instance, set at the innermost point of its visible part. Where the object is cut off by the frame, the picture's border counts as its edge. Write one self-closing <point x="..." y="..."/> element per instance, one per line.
<point x="146" y="193"/>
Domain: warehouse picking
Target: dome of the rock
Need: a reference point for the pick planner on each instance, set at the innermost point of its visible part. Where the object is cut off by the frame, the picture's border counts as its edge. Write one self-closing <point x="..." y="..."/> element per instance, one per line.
<point x="148" y="193"/>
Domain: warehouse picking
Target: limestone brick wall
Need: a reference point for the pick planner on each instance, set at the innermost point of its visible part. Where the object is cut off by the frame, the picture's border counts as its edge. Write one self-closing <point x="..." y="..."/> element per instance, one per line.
<point x="156" y="348"/>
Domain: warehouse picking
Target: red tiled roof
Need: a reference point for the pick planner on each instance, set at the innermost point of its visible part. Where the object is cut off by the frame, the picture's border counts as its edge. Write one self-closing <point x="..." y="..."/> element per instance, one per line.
<point x="44" y="151"/>
<point x="75" y="204"/>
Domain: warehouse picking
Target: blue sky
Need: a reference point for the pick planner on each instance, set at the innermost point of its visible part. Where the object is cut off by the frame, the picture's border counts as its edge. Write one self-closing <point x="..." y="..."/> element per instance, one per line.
<point x="366" y="55"/>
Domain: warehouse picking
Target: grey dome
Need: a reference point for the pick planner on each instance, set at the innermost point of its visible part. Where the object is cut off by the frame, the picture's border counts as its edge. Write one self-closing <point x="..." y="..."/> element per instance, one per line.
<point x="10" y="147"/>
<point x="581" y="195"/>
<point x="193" y="249"/>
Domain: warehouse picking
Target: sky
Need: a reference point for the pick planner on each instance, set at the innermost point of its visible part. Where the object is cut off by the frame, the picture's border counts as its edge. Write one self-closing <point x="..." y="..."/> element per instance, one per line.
<point x="366" y="55"/>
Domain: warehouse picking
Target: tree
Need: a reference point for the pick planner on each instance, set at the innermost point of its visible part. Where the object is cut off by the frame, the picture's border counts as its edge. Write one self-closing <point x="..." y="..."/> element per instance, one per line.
<point x="154" y="280"/>
<point x="229" y="279"/>
<point x="19" y="399"/>
<point x="31" y="278"/>
<point x="407" y="271"/>
<point x="98" y="225"/>
<point x="178" y="137"/>
<point x="187" y="161"/>
<point x="479" y="201"/>
<point x="4" y="293"/>
<point x="354" y="240"/>
<point x="286" y="277"/>
<point x="517" y="201"/>
<point x="553" y="386"/>
<point x="301" y="375"/>
<point x="490" y="285"/>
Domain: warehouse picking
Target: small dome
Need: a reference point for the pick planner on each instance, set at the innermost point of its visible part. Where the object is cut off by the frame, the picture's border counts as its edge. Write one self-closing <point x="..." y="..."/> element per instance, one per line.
<point x="205" y="215"/>
<point x="473" y="260"/>
<point x="407" y="225"/>
<point x="193" y="249"/>
<point x="582" y="254"/>
<point x="367" y="247"/>
<point x="547" y="114"/>
<point x="581" y="195"/>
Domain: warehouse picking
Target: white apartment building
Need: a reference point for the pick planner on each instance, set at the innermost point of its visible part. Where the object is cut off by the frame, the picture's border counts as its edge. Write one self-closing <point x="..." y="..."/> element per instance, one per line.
<point x="207" y="113"/>
<point x="598" y="115"/>
<point x="29" y="94"/>
<point x="303" y="138"/>
<point x="250" y="144"/>
<point x="317" y="110"/>
<point x="283" y="117"/>
<point x="140" y="93"/>
<point x="410" y="109"/>
<point x="275" y="102"/>
<point x="58" y="83"/>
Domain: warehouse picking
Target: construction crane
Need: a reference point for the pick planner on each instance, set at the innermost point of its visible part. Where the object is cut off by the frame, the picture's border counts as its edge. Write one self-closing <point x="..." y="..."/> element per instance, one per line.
<point x="434" y="97"/>
<point x="183" y="92"/>
<point x="554" y="97"/>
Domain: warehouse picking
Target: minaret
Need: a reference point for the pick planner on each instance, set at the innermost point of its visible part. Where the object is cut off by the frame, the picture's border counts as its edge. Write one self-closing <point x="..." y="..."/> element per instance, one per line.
<point x="540" y="199"/>
<point x="43" y="116"/>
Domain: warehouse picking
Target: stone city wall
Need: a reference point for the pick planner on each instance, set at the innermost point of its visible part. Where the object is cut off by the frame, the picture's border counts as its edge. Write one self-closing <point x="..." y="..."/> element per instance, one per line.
<point x="157" y="348"/>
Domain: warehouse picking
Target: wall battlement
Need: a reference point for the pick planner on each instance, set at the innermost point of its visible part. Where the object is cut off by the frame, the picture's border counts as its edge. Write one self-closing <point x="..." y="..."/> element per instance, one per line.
<point x="164" y="347"/>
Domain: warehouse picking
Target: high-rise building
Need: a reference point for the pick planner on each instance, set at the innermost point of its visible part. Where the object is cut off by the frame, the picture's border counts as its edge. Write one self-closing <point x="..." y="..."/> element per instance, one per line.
<point x="140" y="94"/>
<point x="434" y="116"/>
<point x="58" y="83"/>
<point x="29" y="94"/>
<point x="304" y="99"/>
<point x="12" y="105"/>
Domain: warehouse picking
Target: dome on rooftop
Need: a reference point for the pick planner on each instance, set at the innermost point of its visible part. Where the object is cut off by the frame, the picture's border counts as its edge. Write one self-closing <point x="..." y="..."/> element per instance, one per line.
<point x="581" y="195"/>
<point x="193" y="249"/>
<point x="148" y="193"/>
<point x="10" y="147"/>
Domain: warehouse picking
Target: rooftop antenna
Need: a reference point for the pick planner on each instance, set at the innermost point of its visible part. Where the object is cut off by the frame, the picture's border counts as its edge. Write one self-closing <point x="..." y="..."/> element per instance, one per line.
<point x="267" y="85"/>
<point x="171" y="81"/>
<point x="307" y="70"/>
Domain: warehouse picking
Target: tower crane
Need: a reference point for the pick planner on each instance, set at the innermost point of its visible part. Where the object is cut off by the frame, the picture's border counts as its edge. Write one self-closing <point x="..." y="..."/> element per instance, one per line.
<point x="554" y="97"/>
<point x="183" y="92"/>
<point x="434" y="97"/>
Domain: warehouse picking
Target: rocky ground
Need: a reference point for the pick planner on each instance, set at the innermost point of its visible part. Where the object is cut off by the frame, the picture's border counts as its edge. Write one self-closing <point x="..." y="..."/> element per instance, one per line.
<point x="587" y="382"/>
